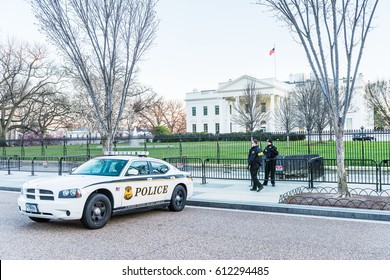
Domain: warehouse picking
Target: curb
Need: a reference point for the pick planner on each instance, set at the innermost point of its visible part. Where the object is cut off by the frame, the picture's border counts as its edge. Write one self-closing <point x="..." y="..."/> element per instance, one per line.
<point x="335" y="212"/>
<point x="11" y="189"/>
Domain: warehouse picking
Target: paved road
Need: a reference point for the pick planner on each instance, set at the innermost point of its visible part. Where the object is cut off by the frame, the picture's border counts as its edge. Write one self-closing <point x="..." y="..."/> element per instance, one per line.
<point x="195" y="233"/>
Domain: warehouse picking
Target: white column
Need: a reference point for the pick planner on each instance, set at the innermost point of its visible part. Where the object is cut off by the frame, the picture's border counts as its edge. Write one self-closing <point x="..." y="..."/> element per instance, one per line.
<point x="271" y="123"/>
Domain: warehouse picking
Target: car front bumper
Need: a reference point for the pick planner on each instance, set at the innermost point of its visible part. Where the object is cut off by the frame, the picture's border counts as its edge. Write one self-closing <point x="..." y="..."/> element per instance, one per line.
<point x="65" y="209"/>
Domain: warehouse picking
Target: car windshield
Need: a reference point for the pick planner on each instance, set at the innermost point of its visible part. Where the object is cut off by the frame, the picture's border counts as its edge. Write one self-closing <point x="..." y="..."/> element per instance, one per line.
<point x="101" y="167"/>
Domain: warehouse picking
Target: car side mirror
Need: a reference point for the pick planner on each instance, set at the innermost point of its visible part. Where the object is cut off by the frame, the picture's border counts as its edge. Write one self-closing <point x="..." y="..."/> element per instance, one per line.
<point x="132" y="172"/>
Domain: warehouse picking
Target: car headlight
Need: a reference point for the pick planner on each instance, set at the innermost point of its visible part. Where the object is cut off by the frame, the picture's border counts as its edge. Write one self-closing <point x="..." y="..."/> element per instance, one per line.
<point x="70" y="193"/>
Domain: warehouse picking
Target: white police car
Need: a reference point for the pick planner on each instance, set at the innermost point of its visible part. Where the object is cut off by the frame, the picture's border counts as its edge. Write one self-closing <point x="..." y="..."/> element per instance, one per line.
<point x="105" y="186"/>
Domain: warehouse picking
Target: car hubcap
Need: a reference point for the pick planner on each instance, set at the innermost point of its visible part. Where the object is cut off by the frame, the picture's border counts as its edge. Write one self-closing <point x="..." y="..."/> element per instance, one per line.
<point x="179" y="198"/>
<point x="98" y="212"/>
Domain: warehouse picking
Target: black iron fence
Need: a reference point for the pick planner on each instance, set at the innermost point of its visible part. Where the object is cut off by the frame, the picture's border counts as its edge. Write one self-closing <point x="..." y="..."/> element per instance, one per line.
<point x="361" y="144"/>
<point x="60" y="165"/>
<point x="304" y="169"/>
<point x="314" y="169"/>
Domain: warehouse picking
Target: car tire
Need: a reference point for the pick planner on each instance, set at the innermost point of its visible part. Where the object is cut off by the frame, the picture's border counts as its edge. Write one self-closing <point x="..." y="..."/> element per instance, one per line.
<point x="97" y="211"/>
<point x="178" y="199"/>
<point x="39" y="220"/>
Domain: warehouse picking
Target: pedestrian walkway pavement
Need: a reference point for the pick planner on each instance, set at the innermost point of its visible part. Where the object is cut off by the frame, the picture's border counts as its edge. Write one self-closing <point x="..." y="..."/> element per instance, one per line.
<point x="234" y="194"/>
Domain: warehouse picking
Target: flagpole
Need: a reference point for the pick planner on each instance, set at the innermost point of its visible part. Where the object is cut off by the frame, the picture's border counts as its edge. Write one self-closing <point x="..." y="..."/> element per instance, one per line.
<point x="274" y="63"/>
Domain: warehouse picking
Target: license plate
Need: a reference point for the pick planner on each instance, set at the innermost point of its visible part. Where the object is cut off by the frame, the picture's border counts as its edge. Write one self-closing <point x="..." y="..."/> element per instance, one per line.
<point x="279" y="168"/>
<point x="33" y="208"/>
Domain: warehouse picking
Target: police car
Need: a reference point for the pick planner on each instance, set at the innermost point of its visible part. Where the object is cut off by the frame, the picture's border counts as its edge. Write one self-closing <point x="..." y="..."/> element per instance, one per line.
<point x="105" y="186"/>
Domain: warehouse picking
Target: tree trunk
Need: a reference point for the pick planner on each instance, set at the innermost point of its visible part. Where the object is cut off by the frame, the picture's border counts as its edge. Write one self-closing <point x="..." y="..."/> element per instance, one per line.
<point x="341" y="172"/>
<point x="288" y="140"/>
<point x="107" y="140"/>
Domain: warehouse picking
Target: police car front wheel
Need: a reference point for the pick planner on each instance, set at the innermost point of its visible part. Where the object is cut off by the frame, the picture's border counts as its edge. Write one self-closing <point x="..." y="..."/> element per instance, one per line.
<point x="178" y="199"/>
<point x="97" y="211"/>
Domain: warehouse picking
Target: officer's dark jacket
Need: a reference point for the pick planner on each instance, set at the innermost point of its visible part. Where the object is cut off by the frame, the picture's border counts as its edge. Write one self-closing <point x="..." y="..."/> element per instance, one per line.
<point x="254" y="155"/>
<point x="270" y="152"/>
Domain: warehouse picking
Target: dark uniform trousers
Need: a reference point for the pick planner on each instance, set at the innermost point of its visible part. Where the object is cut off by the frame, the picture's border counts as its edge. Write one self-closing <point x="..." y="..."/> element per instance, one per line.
<point x="270" y="165"/>
<point x="254" y="169"/>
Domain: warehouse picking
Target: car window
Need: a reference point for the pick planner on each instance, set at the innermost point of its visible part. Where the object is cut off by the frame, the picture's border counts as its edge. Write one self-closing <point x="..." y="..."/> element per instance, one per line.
<point x="159" y="168"/>
<point x="115" y="168"/>
<point x="141" y="166"/>
<point x="101" y="167"/>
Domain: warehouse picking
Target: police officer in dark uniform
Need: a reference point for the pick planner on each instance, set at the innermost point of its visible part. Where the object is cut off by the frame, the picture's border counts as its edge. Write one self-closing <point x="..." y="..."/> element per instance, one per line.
<point x="254" y="162"/>
<point x="270" y="152"/>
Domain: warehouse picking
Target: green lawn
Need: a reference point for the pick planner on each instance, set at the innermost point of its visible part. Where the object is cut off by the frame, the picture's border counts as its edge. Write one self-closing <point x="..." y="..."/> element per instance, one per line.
<point x="212" y="149"/>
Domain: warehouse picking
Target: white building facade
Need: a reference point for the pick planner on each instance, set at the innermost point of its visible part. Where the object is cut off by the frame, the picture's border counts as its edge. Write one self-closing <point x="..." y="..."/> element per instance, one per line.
<point x="211" y="111"/>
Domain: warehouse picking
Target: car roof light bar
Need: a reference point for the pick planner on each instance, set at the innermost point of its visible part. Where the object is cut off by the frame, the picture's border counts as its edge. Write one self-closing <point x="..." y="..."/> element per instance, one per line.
<point x="127" y="153"/>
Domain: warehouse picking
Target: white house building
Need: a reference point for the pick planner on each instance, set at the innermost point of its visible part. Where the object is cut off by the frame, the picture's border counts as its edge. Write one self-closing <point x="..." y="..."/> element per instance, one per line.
<point x="211" y="111"/>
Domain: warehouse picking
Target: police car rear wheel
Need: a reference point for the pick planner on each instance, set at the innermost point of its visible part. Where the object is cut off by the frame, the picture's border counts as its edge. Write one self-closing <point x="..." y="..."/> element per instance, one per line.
<point x="97" y="211"/>
<point x="39" y="220"/>
<point x="178" y="200"/>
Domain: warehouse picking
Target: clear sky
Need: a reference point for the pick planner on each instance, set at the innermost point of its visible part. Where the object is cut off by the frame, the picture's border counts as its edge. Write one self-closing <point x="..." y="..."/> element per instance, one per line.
<point x="203" y="42"/>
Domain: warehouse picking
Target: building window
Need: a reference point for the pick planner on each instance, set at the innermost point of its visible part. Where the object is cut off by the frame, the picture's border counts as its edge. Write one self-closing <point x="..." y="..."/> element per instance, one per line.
<point x="204" y="110"/>
<point x="194" y="128"/>
<point x="348" y="123"/>
<point x="193" y="111"/>
<point x="217" y="110"/>
<point x="263" y="107"/>
<point x="230" y="109"/>
<point x="205" y="127"/>
<point x="231" y="127"/>
<point x="217" y="128"/>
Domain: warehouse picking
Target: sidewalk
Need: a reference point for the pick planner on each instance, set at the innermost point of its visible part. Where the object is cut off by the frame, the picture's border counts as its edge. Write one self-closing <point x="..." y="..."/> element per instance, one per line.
<point x="234" y="194"/>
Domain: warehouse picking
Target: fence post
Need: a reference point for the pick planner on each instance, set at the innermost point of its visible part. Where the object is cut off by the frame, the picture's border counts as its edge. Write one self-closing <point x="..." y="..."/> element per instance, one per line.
<point x="60" y="166"/>
<point x="377" y="176"/>
<point x="204" y="171"/>
<point x="42" y="148"/>
<point x="65" y="151"/>
<point x="9" y="165"/>
<point x="22" y="151"/>
<point x="218" y="151"/>
<point x="32" y="166"/>
<point x="310" y="172"/>
<point x="385" y="161"/>
<point x="88" y="148"/>
<point x="362" y="135"/>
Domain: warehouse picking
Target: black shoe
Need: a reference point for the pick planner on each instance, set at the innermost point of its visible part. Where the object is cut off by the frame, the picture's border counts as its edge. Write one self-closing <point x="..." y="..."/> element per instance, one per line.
<point x="273" y="185"/>
<point x="253" y="189"/>
<point x="264" y="184"/>
<point x="260" y="188"/>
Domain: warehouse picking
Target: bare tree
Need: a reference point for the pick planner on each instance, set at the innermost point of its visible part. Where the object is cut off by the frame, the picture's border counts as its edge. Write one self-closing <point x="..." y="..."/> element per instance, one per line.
<point x="148" y="110"/>
<point x="46" y="113"/>
<point x="249" y="112"/>
<point x="311" y="107"/>
<point x="102" y="40"/>
<point x="26" y="73"/>
<point x="378" y="98"/>
<point x="333" y="35"/>
<point x="156" y="111"/>
<point x="175" y="116"/>
<point x="285" y="115"/>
